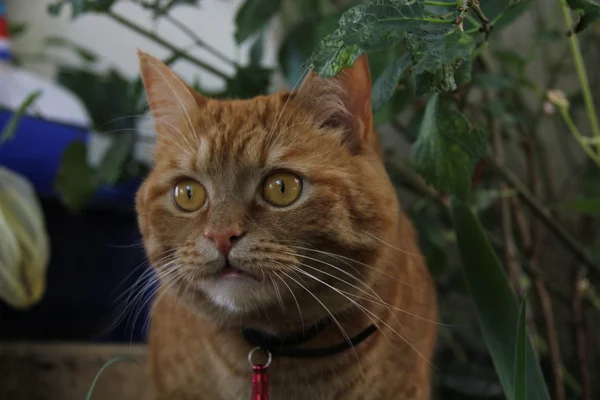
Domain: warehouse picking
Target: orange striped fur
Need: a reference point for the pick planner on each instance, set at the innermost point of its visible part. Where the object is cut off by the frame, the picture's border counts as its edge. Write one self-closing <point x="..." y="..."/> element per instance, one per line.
<point x="344" y="247"/>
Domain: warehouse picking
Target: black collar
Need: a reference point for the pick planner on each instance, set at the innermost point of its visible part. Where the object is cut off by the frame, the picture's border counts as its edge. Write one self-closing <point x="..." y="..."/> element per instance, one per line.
<point x="283" y="346"/>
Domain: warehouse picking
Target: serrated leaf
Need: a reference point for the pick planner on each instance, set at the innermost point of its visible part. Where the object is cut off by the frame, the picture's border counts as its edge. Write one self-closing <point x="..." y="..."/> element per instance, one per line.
<point x="436" y="52"/>
<point x="447" y="149"/>
<point x="589" y="11"/>
<point x="520" y="369"/>
<point x="385" y="86"/>
<point x="9" y="130"/>
<point x="252" y="16"/>
<point x="435" y="45"/>
<point x="495" y="303"/>
<point x="75" y="181"/>
<point x="116" y="156"/>
<point x="587" y="206"/>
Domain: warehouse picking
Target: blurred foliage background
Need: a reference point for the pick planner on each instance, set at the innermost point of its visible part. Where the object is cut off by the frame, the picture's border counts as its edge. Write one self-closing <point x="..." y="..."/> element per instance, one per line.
<point x="534" y="187"/>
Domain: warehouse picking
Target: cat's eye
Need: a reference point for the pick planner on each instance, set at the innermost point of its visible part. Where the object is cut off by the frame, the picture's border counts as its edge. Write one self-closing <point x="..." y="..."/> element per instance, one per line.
<point x="189" y="195"/>
<point x="282" y="189"/>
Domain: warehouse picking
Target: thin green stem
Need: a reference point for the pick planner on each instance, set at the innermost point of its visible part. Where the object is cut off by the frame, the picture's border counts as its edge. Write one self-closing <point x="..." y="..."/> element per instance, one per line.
<point x="581" y="73"/>
<point x="136" y="28"/>
<point x="564" y="112"/>
<point x="441" y="3"/>
<point x="199" y="42"/>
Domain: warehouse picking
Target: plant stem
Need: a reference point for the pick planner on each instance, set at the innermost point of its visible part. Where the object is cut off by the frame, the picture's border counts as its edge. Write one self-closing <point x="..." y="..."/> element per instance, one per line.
<point x="440" y="3"/>
<point x="581" y="73"/>
<point x="199" y="42"/>
<point x="564" y="112"/>
<point x="133" y="26"/>
<point x="542" y="212"/>
<point x="580" y="336"/>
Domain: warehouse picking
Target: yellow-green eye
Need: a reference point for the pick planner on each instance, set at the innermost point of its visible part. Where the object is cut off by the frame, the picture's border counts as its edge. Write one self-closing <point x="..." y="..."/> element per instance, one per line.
<point x="189" y="195"/>
<point x="282" y="189"/>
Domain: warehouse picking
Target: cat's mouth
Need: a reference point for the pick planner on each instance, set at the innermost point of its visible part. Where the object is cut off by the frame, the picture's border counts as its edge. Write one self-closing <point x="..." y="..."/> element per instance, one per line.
<point x="232" y="273"/>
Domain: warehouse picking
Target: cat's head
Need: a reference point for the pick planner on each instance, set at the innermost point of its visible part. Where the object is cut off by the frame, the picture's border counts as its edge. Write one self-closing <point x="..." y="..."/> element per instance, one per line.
<point x="277" y="202"/>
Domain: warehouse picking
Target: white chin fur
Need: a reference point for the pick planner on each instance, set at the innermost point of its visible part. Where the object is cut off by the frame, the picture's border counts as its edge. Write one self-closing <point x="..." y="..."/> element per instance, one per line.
<point x="233" y="294"/>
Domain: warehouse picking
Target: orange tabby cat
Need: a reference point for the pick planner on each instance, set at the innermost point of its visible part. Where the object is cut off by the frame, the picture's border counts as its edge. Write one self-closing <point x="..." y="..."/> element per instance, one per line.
<point x="274" y="214"/>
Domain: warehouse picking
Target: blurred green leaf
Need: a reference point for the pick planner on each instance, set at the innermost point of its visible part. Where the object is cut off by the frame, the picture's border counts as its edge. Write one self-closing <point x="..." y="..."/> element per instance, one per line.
<point x="299" y="43"/>
<point x="511" y="13"/>
<point x="115" y="158"/>
<point x="435" y="45"/>
<point x="257" y="50"/>
<point x="588" y="10"/>
<point x="79" y="7"/>
<point x="587" y="206"/>
<point x="385" y="86"/>
<point x="495" y="303"/>
<point x="520" y="374"/>
<point x="248" y="82"/>
<point x="595" y="253"/>
<point x="16" y="28"/>
<point x="462" y="75"/>
<point x="252" y="16"/>
<point x="9" y="130"/>
<point x="447" y="149"/>
<point x="75" y="181"/>
<point x="85" y="54"/>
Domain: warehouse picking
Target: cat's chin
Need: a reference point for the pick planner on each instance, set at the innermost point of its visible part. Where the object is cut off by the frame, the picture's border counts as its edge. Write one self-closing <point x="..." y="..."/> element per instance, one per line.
<point x="236" y="292"/>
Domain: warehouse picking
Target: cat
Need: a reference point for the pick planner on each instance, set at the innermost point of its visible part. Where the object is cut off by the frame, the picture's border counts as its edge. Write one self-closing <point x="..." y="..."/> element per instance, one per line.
<point x="275" y="214"/>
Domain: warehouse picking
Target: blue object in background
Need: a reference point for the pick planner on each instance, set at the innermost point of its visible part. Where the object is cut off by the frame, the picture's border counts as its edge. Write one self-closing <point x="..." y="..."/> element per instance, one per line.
<point x="36" y="149"/>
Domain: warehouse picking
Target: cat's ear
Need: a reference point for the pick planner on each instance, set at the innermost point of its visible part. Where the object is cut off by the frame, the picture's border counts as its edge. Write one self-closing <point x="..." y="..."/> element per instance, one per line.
<point x="343" y="101"/>
<point x="170" y="99"/>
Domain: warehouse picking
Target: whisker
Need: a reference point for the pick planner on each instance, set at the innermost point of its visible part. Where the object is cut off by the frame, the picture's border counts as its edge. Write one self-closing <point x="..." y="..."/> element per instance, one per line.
<point x="364" y="309"/>
<point x="342" y="330"/>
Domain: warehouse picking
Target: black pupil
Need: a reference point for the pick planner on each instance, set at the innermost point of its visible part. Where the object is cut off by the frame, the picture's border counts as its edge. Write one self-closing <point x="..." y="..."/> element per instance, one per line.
<point x="189" y="191"/>
<point x="281" y="186"/>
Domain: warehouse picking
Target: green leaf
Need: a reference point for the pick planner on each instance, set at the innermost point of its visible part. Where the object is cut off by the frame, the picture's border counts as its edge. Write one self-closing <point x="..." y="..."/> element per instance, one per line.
<point x="386" y="84"/>
<point x="589" y="11"/>
<point x="84" y="53"/>
<point x="75" y="181"/>
<point x="299" y="43"/>
<point x="13" y="123"/>
<point x="257" y="50"/>
<point x="513" y="11"/>
<point x="520" y="374"/>
<point x="435" y="45"/>
<point x="587" y="206"/>
<point x="252" y="16"/>
<point x="115" y="158"/>
<point x="16" y="28"/>
<point x="495" y="303"/>
<point x="447" y="149"/>
<point x="106" y="365"/>
<point x="249" y="81"/>
<point x="436" y="52"/>
<point x="79" y="7"/>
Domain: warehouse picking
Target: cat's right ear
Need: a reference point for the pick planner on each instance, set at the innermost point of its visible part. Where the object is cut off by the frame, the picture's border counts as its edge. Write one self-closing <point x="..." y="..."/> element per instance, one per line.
<point x="170" y="99"/>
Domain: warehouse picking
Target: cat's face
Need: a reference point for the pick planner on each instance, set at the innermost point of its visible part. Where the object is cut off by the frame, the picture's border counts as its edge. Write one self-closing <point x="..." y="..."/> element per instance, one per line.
<point x="267" y="202"/>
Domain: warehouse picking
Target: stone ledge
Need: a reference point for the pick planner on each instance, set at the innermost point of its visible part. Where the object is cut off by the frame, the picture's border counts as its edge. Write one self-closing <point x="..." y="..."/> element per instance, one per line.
<point x="65" y="371"/>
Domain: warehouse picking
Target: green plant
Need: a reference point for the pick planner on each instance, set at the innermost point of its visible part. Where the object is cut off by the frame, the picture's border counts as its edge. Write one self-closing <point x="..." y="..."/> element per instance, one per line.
<point x="469" y="103"/>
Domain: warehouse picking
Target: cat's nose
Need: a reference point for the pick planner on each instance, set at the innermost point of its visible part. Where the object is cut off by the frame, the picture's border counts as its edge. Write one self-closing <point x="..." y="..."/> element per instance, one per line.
<point x="224" y="239"/>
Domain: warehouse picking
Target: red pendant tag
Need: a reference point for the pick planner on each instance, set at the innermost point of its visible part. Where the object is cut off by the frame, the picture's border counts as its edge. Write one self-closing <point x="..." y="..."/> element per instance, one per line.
<point x="260" y="378"/>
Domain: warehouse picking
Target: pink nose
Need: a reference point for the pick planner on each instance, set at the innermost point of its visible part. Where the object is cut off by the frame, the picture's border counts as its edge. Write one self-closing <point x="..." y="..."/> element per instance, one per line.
<point x="224" y="239"/>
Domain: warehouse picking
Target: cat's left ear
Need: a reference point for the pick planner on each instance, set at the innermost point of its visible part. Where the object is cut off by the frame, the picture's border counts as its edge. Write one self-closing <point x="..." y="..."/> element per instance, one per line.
<point x="343" y="101"/>
<point x="171" y="100"/>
